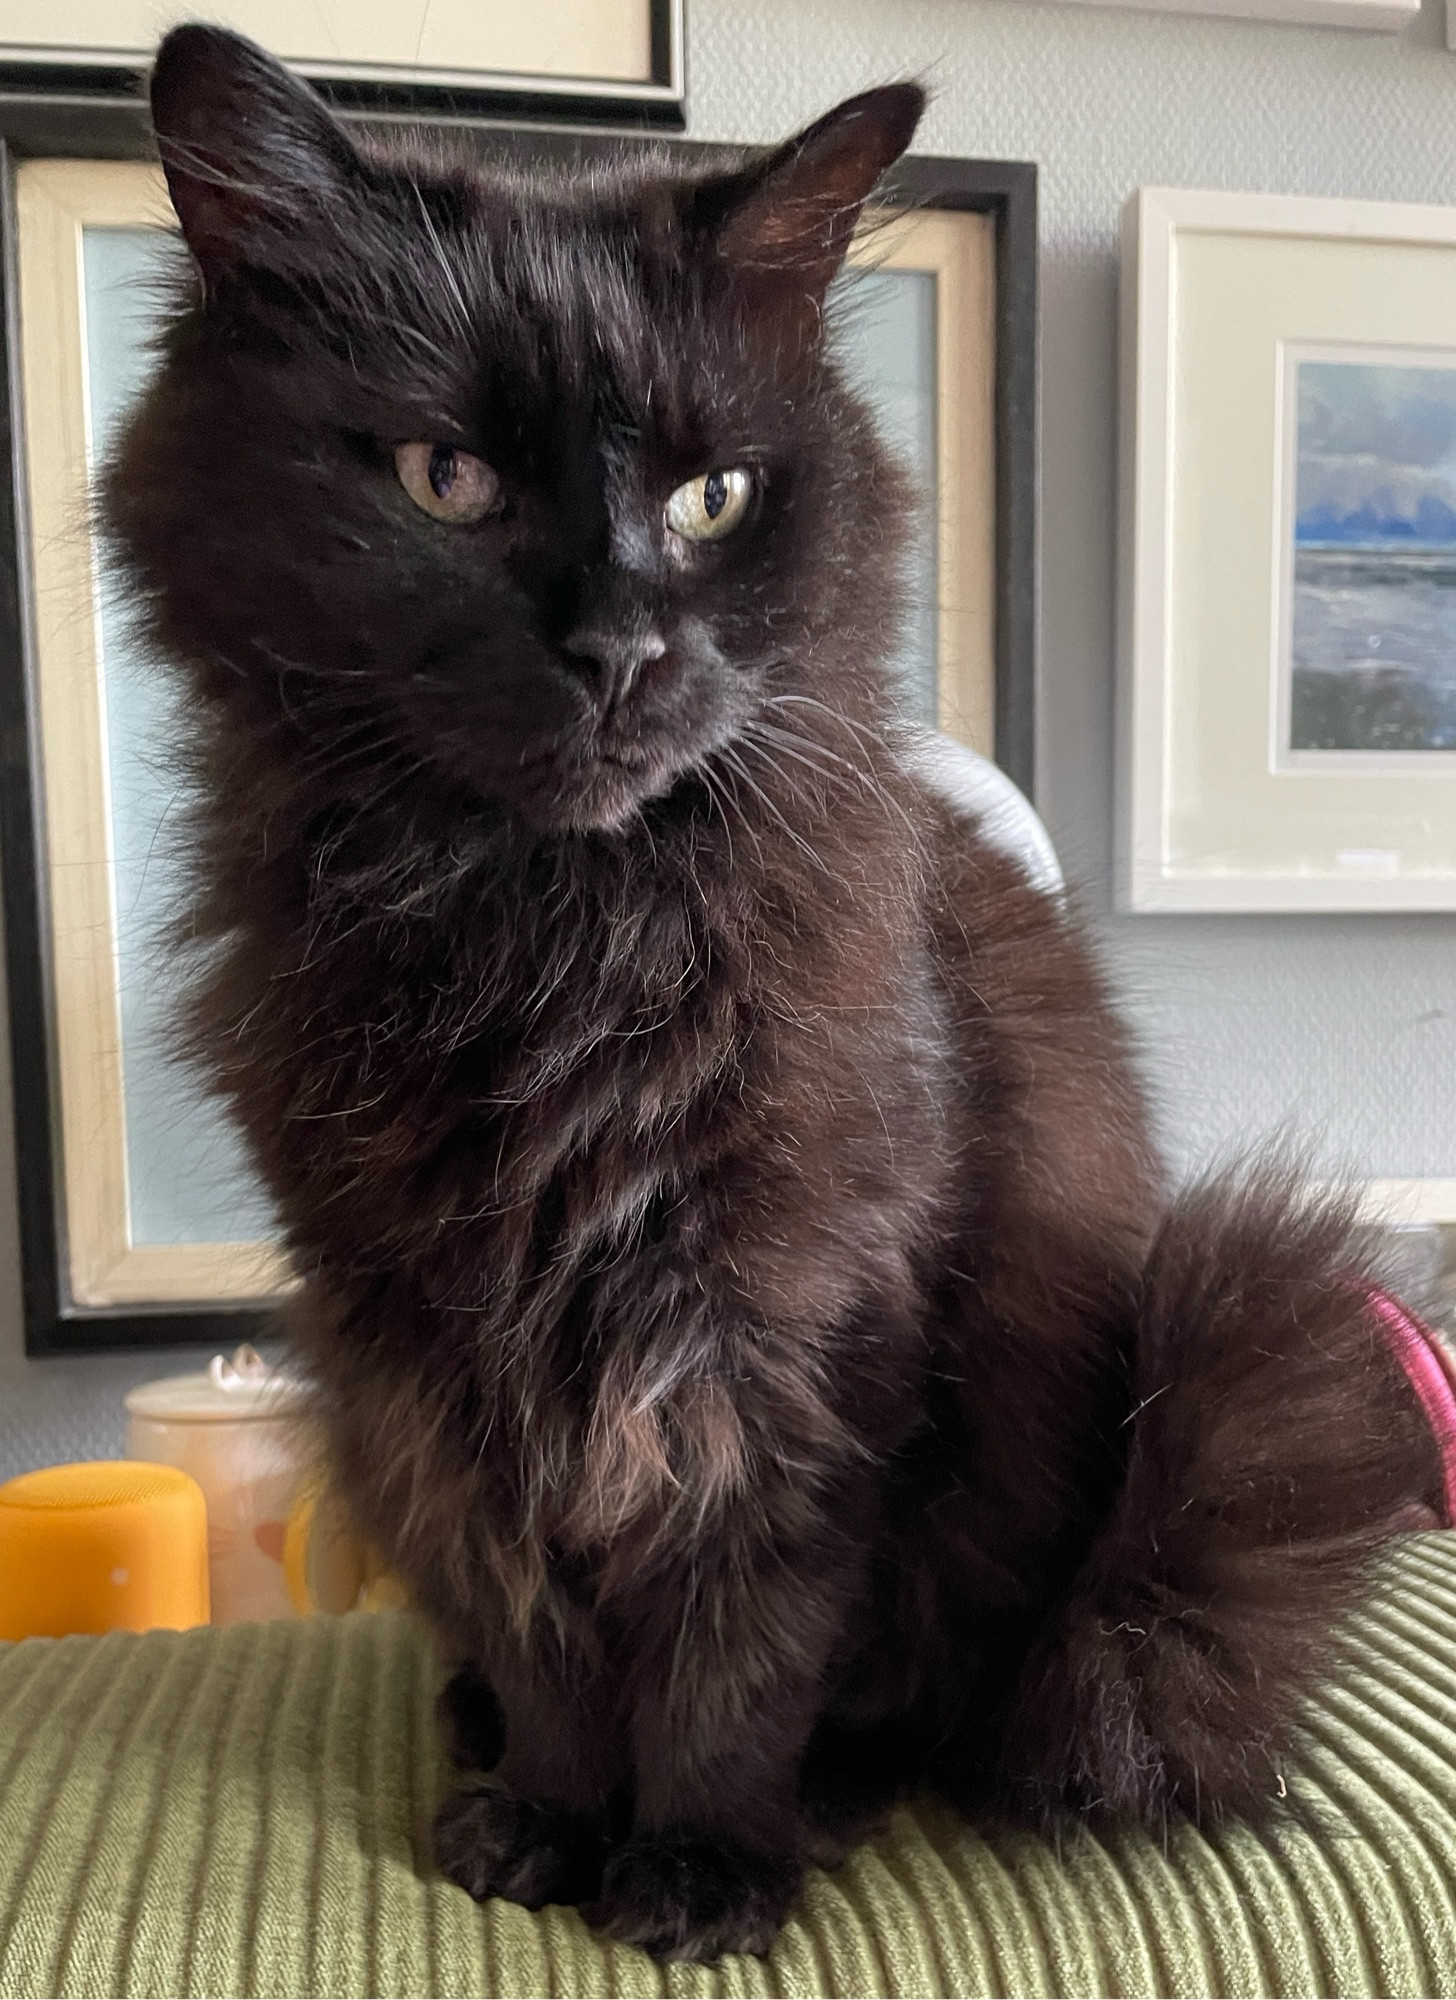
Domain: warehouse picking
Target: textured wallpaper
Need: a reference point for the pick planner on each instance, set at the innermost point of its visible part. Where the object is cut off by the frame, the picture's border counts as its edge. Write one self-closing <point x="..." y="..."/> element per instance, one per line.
<point x="1338" y="1030"/>
<point x="71" y="1407"/>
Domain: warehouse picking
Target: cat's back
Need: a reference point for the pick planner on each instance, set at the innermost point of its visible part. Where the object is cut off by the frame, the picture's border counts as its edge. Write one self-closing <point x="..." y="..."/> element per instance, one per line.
<point x="1046" y="1084"/>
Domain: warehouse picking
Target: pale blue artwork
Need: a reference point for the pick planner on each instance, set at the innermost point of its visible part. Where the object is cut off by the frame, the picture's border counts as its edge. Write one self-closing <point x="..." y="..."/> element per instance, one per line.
<point x="1373" y="644"/>
<point x="884" y="327"/>
<point x="187" y="1178"/>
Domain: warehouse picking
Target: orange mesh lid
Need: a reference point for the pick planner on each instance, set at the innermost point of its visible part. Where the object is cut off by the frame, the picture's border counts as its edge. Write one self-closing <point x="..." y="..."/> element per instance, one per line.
<point x="107" y="1482"/>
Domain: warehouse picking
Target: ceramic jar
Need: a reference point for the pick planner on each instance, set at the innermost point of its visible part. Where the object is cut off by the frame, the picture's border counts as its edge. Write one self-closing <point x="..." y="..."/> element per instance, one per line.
<point x="239" y="1430"/>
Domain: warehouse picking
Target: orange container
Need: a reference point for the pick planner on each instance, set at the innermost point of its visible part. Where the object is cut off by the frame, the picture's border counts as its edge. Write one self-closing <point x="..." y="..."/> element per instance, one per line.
<point x="113" y="1544"/>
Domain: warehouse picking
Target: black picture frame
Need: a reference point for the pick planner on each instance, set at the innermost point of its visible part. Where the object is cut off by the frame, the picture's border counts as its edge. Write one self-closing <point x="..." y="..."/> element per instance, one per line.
<point x="105" y="123"/>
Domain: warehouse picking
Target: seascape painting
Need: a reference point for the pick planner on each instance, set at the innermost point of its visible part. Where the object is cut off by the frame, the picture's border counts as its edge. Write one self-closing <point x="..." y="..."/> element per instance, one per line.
<point x="1373" y="628"/>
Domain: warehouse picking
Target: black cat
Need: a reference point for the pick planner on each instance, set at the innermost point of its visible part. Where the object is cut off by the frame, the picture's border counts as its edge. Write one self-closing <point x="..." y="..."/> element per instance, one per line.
<point x="745" y="1305"/>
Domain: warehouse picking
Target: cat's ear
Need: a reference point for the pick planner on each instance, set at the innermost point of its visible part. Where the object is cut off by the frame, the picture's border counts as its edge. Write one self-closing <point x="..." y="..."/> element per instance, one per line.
<point x="785" y="223"/>
<point x="254" y="161"/>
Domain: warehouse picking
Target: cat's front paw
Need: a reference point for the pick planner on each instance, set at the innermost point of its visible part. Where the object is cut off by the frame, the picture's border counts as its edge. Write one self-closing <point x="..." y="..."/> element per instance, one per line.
<point x="692" y="1896"/>
<point x="494" y="1844"/>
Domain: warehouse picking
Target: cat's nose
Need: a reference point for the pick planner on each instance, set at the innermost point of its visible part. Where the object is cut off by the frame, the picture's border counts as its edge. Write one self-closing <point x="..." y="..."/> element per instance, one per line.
<point x="614" y="658"/>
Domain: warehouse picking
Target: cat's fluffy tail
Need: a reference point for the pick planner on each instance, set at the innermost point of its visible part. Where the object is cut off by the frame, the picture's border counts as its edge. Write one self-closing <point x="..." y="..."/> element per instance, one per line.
<point x="1274" y="1441"/>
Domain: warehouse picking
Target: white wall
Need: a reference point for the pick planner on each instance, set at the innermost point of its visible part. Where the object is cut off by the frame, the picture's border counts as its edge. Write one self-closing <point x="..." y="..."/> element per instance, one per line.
<point x="1342" y="1027"/>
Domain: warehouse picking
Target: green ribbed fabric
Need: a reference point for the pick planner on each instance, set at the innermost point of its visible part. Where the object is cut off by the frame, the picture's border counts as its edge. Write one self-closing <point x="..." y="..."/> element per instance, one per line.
<point x="247" y="1812"/>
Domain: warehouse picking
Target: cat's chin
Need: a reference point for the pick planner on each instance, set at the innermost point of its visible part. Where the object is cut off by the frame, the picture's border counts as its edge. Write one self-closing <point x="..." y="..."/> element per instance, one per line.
<point x="607" y="795"/>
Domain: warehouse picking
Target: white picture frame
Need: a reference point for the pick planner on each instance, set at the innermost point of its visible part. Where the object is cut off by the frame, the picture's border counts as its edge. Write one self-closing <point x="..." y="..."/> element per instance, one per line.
<point x="1380" y="17"/>
<point x="1225" y="297"/>
<point x="107" y="1268"/>
<point x="621" y="57"/>
<point x="1412" y="1201"/>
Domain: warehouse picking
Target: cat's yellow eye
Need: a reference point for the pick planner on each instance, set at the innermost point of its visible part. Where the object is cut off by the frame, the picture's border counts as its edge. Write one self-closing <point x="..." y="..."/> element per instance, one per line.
<point x="449" y="485"/>
<point x="711" y="506"/>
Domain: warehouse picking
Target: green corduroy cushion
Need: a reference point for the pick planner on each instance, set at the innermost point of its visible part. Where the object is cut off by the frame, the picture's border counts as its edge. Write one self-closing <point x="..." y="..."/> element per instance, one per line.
<point x="247" y="1812"/>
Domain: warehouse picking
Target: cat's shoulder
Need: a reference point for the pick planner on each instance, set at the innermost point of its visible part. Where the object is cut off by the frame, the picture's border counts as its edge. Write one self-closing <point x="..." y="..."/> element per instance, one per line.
<point x="988" y="804"/>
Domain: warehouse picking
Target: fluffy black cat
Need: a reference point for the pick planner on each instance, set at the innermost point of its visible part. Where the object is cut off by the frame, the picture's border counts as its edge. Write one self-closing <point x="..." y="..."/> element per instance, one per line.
<point x="745" y="1305"/>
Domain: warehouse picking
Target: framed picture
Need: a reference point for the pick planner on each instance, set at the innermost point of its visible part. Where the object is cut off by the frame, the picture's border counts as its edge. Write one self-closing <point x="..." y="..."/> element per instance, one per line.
<point x="1414" y="1202"/>
<point x="141" y="1222"/>
<point x="620" y="60"/>
<point x="912" y="320"/>
<point x="1381" y="17"/>
<point x="1287" y="595"/>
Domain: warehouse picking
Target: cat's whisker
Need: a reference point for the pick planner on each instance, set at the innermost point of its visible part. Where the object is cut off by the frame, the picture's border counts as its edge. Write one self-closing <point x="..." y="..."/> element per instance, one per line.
<point x="862" y="737"/>
<point x="815" y="803"/>
<point x="785" y="745"/>
<point x="856" y="729"/>
<point x="731" y="756"/>
<point x="729" y="786"/>
<point x="772" y="732"/>
<point x="865" y="777"/>
<point x="807" y="751"/>
<point x="716" y="799"/>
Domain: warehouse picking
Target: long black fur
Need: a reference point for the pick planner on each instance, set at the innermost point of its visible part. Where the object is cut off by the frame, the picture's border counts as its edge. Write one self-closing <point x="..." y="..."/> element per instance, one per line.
<point x="745" y="1304"/>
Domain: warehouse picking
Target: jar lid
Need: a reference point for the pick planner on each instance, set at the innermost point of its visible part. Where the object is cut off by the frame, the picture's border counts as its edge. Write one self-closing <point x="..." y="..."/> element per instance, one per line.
<point x="226" y="1391"/>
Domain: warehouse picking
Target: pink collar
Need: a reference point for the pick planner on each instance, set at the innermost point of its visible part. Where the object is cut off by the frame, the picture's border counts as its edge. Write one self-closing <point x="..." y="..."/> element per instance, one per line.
<point x="1432" y="1374"/>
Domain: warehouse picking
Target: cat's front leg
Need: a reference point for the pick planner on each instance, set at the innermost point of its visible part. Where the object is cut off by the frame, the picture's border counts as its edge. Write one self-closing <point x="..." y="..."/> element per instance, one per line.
<point x="727" y="1686"/>
<point x="533" y="1831"/>
<point x="472" y="1720"/>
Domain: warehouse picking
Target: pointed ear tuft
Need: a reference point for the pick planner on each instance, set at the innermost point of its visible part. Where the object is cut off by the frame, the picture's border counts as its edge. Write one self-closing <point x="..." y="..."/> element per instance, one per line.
<point x="791" y="216"/>
<point x="252" y="156"/>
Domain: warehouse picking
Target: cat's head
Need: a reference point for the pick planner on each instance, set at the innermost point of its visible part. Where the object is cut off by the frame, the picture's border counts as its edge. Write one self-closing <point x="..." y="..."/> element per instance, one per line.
<point x="543" y="483"/>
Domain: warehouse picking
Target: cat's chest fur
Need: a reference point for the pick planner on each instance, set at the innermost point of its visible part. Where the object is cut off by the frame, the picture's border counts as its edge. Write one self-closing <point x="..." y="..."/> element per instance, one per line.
<point x="619" y="1141"/>
<point x="470" y="1051"/>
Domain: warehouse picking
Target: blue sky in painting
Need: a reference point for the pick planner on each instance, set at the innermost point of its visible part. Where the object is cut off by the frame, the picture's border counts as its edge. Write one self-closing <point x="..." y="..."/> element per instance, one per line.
<point x="1377" y="456"/>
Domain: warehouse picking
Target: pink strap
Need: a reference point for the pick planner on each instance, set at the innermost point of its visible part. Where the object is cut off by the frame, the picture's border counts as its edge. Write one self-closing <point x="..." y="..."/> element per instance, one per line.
<point x="1432" y="1374"/>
